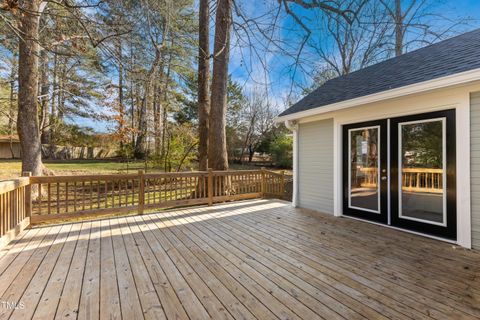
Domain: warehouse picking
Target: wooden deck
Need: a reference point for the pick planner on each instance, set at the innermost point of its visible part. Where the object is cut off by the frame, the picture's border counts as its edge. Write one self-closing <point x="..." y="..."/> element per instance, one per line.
<point x="252" y="259"/>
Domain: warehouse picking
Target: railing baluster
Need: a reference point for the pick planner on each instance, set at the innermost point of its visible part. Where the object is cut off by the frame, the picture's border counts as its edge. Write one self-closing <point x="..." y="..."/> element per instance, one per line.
<point x="83" y="195"/>
<point x="119" y="193"/>
<point x="49" y="196"/>
<point x="106" y="194"/>
<point x="75" y="196"/>
<point x="66" y="196"/>
<point x="58" y="197"/>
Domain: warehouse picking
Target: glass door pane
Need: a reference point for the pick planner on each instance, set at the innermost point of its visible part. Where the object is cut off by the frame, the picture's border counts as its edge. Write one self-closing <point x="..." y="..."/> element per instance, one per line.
<point x="422" y="171"/>
<point x="364" y="169"/>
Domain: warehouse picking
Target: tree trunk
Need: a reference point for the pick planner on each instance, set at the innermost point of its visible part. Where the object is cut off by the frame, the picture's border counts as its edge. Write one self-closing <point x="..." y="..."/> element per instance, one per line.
<point x="217" y="153"/>
<point x="157" y="120"/>
<point x="53" y="101"/>
<point x="164" y="111"/>
<point x="132" y="95"/>
<point x="11" y="110"/>
<point x="121" y="107"/>
<point x="398" y="28"/>
<point x="61" y="90"/>
<point x="27" y="120"/>
<point x="203" y="85"/>
<point x="44" y="97"/>
<point x="251" y="153"/>
<point x="141" y="142"/>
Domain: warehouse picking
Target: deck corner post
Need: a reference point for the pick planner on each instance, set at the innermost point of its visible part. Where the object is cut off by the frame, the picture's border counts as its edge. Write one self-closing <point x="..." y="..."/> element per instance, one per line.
<point x="28" y="194"/>
<point x="141" y="192"/>
<point x="210" y="186"/>
<point x="263" y="185"/>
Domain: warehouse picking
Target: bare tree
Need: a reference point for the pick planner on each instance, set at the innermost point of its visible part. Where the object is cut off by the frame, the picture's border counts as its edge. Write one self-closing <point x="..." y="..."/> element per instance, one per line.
<point x="258" y="120"/>
<point x="354" y="45"/>
<point x="217" y="153"/>
<point x="411" y="22"/>
<point x="157" y="64"/>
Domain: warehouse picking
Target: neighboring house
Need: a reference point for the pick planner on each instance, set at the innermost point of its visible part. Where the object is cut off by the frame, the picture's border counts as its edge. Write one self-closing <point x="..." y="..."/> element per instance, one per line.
<point x="8" y="145"/>
<point x="396" y="143"/>
<point x="12" y="143"/>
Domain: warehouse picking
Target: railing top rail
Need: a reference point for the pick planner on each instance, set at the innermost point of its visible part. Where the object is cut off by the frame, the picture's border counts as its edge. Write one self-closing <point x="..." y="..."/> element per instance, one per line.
<point x="80" y="178"/>
<point x="274" y="173"/>
<point x="12" y="184"/>
<point x="227" y="172"/>
<point x="73" y="178"/>
<point x="422" y="170"/>
<point x="409" y="170"/>
<point x="176" y="174"/>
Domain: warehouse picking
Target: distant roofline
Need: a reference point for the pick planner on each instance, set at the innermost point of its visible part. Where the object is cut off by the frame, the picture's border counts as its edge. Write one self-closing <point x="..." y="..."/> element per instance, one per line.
<point x="438" y="83"/>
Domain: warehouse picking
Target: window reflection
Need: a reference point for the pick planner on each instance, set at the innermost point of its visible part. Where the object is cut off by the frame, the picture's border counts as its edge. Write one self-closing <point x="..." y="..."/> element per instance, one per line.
<point x="364" y="169"/>
<point x="422" y="170"/>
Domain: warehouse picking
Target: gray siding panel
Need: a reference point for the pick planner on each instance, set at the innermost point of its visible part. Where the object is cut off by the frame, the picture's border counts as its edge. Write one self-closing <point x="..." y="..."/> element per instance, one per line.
<point x="315" y="162"/>
<point x="475" y="166"/>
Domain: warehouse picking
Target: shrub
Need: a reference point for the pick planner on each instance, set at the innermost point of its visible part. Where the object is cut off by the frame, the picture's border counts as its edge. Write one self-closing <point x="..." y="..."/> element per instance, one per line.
<point x="281" y="149"/>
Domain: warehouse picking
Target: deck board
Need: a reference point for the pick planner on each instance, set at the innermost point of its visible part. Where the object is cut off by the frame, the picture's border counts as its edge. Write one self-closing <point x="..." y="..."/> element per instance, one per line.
<point x="256" y="259"/>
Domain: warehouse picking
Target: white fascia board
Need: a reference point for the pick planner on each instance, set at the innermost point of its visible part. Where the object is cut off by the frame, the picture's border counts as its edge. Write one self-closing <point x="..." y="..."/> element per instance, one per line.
<point x="443" y="82"/>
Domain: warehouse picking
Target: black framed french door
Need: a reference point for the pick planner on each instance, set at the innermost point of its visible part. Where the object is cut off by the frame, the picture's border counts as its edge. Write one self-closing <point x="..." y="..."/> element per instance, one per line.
<point x="418" y="177"/>
<point x="423" y="177"/>
<point x="365" y="182"/>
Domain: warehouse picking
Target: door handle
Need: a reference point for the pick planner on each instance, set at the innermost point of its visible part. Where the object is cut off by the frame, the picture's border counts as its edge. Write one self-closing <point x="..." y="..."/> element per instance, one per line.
<point x="384" y="178"/>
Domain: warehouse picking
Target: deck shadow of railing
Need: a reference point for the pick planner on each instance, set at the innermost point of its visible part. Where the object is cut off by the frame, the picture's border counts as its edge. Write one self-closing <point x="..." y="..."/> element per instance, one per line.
<point x="33" y="200"/>
<point x="227" y="211"/>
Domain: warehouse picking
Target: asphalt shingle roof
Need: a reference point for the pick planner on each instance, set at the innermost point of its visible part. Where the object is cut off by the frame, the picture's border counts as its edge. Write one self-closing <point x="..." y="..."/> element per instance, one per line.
<point x="448" y="57"/>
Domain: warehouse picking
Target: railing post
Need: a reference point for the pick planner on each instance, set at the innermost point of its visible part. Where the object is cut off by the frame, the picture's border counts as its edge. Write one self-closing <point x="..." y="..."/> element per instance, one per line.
<point x="28" y="194"/>
<point x="263" y="185"/>
<point x="282" y="184"/>
<point x="141" y="192"/>
<point x="210" y="186"/>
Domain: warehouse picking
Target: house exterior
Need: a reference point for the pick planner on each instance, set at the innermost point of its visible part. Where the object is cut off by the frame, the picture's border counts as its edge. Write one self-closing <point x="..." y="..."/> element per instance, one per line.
<point x="9" y="147"/>
<point x="396" y="143"/>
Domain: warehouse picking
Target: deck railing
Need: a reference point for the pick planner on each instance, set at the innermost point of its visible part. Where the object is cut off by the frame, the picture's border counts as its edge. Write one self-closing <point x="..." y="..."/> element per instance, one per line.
<point x="15" y="208"/>
<point x="44" y="198"/>
<point x="413" y="179"/>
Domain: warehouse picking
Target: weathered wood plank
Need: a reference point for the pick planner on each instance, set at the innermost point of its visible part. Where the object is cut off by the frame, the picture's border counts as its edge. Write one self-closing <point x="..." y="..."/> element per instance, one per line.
<point x="129" y="301"/>
<point x="109" y="296"/>
<point x="47" y="273"/>
<point x="50" y="247"/>
<point x="151" y="305"/>
<point x="89" y="307"/>
<point x="172" y="306"/>
<point x="70" y="295"/>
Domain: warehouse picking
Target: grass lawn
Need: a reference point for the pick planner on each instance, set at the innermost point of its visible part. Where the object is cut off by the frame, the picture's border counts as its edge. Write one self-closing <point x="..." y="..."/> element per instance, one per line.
<point x="12" y="168"/>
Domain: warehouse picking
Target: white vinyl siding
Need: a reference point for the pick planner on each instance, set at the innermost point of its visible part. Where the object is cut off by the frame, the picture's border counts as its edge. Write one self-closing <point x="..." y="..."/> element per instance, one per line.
<point x="315" y="166"/>
<point x="475" y="166"/>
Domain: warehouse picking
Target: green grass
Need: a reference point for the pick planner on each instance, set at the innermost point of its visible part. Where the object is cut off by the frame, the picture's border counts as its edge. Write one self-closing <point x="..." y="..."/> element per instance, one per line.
<point x="12" y="168"/>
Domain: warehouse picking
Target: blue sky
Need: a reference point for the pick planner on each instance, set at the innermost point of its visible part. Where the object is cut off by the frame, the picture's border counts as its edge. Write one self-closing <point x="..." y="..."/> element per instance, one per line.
<point x="278" y="80"/>
<point x="268" y="69"/>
